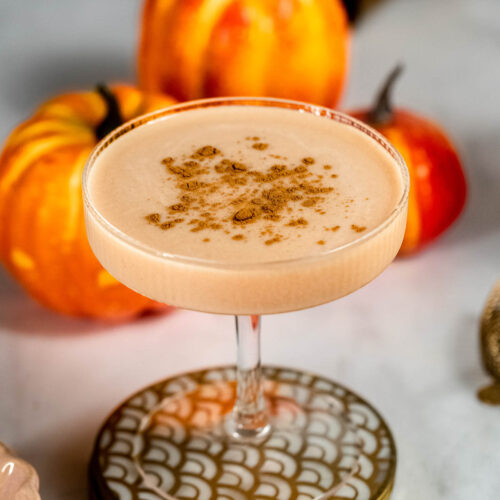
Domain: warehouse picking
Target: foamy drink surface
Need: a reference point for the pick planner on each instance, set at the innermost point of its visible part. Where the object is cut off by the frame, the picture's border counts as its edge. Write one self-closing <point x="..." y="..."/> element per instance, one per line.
<point x="240" y="184"/>
<point x="237" y="185"/>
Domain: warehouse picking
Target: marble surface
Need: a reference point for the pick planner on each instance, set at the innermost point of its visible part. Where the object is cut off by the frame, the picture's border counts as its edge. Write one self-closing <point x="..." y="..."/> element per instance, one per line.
<point x="408" y="342"/>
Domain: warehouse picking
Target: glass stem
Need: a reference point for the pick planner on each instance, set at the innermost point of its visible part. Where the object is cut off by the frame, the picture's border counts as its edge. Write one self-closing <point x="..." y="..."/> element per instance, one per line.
<point x="249" y="414"/>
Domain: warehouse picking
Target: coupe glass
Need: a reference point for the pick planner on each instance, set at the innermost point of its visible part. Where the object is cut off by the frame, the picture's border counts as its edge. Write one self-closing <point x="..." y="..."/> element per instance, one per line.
<point x="286" y="435"/>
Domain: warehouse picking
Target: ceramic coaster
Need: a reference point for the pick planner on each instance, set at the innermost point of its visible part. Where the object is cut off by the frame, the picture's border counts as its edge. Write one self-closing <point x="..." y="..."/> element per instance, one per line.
<point x="151" y="447"/>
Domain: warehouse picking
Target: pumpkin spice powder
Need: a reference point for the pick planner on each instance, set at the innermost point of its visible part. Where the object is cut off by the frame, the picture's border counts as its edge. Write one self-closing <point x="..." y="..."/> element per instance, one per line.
<point x="256" y="195"/>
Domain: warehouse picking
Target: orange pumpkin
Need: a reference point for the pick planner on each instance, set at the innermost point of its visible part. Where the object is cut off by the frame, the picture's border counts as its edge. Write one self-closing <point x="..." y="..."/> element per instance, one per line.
<point x="43" y="242"/>
<point x="437" y="182"/>
<point x="294" y="49"/>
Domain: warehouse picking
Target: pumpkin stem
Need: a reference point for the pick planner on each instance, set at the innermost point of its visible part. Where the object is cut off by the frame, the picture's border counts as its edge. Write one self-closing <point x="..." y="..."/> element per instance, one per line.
<point x="353" y="8"/>
<point x="113" y="117"/>
<point x="382" y="111"/>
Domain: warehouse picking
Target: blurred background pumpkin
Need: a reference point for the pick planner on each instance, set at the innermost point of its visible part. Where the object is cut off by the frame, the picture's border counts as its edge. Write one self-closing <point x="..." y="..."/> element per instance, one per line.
<point x="43" y="242"/>
<point x="295" y="49"/>
<point x="437" y="182"/>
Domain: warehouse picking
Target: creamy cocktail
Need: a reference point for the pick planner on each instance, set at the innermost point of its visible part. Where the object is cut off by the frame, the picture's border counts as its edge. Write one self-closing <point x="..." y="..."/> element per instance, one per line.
<point x="246" y="207"/>
<point x="232" y="193"/>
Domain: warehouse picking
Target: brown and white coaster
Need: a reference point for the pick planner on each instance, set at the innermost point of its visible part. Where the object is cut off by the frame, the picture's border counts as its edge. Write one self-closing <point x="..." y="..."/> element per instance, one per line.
<point x="172" y="462"/>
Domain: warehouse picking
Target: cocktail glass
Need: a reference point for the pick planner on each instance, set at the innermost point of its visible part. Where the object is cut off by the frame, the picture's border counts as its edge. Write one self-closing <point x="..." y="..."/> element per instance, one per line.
<point x="286" y="435"/>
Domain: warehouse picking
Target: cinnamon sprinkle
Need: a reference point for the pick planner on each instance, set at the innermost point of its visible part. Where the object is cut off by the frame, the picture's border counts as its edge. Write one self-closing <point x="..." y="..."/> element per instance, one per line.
<point x="247" y="195"/>
<point x="153" y="218"/>
<point x="205" y="152"/>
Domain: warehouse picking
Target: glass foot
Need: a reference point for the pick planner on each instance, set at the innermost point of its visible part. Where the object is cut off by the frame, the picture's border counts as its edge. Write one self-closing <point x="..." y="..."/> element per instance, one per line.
<point x="176" y="440"/>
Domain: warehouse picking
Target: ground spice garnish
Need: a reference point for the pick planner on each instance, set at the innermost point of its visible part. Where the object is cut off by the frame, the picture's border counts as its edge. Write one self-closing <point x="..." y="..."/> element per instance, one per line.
<point x="245" y="215"/>
<point x="310" y="202"/>
<point x="205" y="152"/>
<point x="298" y="222"/>
<point x="246" y="195"/>
<point x="182" y="171"/>
<point x="274" y="240"/>
<point x="191" y="186"/>
<point x="321" y="242"/>
<point x="178" y="207"/>
<point x="153" y="218"/>
<point x="358" y="229"/>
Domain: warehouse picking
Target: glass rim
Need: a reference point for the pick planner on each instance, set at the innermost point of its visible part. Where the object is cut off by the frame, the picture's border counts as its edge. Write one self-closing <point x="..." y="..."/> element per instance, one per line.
<point x="243" y="101"/>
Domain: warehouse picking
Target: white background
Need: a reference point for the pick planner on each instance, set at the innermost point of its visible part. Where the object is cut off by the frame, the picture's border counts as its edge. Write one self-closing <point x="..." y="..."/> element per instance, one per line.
<point x="408" y="342"/>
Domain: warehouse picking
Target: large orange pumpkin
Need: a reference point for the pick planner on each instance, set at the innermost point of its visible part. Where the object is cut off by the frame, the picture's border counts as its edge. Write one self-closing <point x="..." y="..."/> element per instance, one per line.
<point x="294" y="49"/>
<point x="43" y="242"/>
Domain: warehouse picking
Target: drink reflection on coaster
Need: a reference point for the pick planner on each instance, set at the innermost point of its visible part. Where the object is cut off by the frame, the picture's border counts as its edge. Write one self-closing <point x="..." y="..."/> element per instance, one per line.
<point x="248" y="207"/>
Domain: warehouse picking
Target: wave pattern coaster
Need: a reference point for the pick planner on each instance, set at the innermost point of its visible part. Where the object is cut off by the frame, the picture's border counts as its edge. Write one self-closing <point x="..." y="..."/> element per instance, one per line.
<point x="154" y="445"/>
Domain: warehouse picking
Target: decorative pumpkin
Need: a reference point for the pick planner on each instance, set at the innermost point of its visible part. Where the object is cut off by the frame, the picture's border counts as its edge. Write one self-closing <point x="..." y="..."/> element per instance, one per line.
<point x="294" y="49"/>
<point x="43" y="242"/>
<point x="437" y="183"/>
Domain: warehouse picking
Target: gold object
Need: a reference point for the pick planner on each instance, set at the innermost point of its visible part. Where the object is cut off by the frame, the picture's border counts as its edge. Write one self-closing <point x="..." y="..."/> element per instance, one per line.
<point x="128" y="465"/>
<point x="490" y="346"/>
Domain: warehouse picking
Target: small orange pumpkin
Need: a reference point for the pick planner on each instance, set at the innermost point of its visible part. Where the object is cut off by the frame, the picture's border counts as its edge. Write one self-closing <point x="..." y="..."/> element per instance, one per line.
<point x="43" y="242"/>
<point x="294" y="49"/>
<point x="437" y="183"/>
